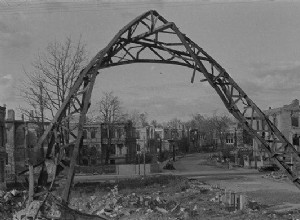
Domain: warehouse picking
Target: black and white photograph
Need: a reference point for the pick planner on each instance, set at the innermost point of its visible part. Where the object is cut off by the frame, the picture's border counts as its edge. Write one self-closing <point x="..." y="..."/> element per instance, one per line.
<point x="149" y="109"/>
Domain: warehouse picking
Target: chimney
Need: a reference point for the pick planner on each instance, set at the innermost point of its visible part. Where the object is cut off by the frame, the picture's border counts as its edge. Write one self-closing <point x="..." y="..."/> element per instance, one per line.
<point x="10" y="115"/>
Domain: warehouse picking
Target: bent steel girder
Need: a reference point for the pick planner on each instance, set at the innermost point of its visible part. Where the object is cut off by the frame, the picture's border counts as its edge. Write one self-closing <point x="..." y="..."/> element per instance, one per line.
<point x="150" y="38"/>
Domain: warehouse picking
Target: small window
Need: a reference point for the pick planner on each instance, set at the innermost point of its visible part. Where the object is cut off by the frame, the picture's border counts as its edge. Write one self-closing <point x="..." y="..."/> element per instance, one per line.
<point x="296" y="140"/>
<point x="93" y="133"/>
<point x="120" y="149"/>
<point x="104" y="132"/>
<point x="112" y="149"/>
<point x="295" y="121"/>
<point x="84" y="134"/>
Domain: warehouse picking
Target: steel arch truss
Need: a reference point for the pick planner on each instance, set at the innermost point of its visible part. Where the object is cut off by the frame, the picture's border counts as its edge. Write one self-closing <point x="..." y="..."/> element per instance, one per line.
<point x="152" y="39"/>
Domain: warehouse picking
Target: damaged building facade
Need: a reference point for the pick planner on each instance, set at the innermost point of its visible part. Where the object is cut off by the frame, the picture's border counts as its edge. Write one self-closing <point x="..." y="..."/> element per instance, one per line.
<point x="107" y="143"/>
<point x="286" y="119"/>
<point x="22" y="136"/>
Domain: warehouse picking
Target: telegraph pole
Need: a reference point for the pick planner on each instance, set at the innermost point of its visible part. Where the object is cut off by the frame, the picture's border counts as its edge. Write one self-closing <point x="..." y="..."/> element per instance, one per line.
<point x="144" y="158"/>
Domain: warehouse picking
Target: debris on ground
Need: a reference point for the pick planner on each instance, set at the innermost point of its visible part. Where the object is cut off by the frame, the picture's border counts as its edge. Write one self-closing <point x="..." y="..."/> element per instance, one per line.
<point x="10" y="202"/>
<point x="268" y="168"/>
<point x="163" y="198"/>
<point x="179" y="200"/>
<point x="275" y="176"/>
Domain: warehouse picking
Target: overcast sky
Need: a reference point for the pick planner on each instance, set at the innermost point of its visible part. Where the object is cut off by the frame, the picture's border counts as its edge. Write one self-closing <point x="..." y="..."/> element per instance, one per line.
<point x="257" y="42"/>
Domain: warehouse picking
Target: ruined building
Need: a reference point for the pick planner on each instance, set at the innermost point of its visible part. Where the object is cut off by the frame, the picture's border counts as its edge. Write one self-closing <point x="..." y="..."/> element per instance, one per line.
<point x="119" y="141"/>
<point x="21" y="138"/>
<point x="3" y="154"/>
<point x="286" y="119"/>
<point x="90" y="151"/>
<point x="144" y="135"/>
<point x="103" y="143"/>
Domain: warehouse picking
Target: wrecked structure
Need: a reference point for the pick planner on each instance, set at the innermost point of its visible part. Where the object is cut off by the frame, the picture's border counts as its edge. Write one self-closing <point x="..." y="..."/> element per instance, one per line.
<point x="118" y="143"/>
<point x="144" y="40"/>
<point x="286" y="119"/>
<point x="144" y="135"/>
<point x="91" y="148"/>
<point x="22" y="136"/>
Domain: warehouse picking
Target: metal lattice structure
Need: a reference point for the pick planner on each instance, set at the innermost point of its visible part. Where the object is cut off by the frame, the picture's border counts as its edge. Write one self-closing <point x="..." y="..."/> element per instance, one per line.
<point x="150" y="38"/>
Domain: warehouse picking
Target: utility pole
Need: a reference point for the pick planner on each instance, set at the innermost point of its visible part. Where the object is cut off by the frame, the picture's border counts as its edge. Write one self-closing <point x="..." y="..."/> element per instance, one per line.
<point x="144" y="158"/>
<point x="139" y="162"/>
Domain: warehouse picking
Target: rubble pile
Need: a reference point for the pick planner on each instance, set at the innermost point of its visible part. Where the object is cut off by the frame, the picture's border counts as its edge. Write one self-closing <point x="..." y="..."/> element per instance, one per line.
<point x="275" y="176"/>
<point x="117" y="205"/>
<point x="11" y="202"/>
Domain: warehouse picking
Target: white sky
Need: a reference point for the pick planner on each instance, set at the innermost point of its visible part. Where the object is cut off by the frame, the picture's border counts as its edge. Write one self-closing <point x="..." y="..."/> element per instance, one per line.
<point x="257" y="42"/>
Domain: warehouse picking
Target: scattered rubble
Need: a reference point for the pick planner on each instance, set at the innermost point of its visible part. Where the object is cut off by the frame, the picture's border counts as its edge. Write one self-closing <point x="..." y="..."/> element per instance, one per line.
<point x="119" y="205"/>
<point x="11" y="202"/>
<point x="275" y="176"/>
<point x="177" y="200"/>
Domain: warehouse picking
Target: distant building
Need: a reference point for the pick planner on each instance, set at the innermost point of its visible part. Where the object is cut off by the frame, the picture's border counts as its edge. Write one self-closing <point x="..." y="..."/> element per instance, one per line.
<point x="3" y="155"/>
<point x="144" y="135"/>
<point x="118" y="140"/>
<point x="170" y="137"/>
<point x="286" y="119"/>
<point x="234" y="135"/>
<point x="90" y="152"/>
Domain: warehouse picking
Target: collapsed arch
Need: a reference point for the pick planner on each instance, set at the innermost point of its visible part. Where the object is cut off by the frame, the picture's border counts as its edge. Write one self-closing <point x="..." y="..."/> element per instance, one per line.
<point x="146" y="39"/>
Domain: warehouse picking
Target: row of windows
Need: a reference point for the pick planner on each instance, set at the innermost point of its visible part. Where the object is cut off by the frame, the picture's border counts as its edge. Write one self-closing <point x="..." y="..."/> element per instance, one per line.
<point x="95" y="150"/>
<point x="294" y="122"/>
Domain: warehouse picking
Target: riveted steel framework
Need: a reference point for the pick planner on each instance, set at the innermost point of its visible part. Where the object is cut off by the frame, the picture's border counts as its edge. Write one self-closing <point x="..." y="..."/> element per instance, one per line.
<point x="150" y="38"/>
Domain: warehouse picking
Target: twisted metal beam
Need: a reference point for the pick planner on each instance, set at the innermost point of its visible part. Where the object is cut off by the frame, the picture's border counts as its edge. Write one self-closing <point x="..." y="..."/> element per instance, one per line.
<point x="150" y="38"/>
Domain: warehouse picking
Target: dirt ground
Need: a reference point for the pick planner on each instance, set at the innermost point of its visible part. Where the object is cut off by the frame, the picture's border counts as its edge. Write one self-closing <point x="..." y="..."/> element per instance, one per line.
<point x="277" y="194"/>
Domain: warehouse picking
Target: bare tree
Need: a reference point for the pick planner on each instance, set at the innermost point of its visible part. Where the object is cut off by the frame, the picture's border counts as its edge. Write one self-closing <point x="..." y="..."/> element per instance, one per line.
<point x="137" y="118"/>
<point x="213" y="128"/>
<point x="155" y="124"/>
<point x="47" y="85"/>
<point x="174" y="123"/>
<point x="53" y="73"/>
<point x="48" y="82"/>
<point x="109" y="111"/>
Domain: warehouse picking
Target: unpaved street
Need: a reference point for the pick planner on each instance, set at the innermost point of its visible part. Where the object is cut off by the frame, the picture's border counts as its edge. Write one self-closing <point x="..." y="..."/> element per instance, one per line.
<point x="279" y="194"/>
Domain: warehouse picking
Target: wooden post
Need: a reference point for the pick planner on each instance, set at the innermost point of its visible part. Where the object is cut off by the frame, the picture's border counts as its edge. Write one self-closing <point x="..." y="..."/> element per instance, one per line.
<point x="30" y="168"/>
<point x="86" y="102"/>
<point x="31" y="184"/>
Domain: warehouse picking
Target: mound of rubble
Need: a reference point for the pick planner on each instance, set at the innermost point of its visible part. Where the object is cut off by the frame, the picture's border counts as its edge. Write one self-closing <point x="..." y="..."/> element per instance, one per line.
<point x="11" y="202"/>
<point x="128" y="205"/>
<point x="179" y="199"/>
<point x="275" y="176"/>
